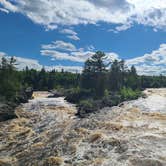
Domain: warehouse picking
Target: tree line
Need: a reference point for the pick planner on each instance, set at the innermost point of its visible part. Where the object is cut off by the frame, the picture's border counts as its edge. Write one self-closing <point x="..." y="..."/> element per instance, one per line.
<point x="100" y="82"/>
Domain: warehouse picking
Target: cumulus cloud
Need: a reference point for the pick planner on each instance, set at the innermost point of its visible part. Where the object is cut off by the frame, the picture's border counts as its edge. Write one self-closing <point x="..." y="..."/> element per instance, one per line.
<point x="151" y="64"/>
<point x="125" y="13"/>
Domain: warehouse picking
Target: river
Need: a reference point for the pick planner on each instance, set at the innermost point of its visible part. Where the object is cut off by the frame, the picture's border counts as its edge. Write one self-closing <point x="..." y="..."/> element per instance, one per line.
<point x="47" y="132"/>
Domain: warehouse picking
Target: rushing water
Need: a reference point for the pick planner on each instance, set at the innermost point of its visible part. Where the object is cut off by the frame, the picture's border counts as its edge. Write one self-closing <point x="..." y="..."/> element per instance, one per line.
<point x="47" y="132"/>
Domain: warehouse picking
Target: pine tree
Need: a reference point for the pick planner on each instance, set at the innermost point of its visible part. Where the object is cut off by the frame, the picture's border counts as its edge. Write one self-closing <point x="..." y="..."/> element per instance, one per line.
<point x="93" y="76"/>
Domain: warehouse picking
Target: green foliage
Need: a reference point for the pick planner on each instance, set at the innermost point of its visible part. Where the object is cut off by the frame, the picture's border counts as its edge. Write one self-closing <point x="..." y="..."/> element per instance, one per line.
<point x="129" y="94"/>
<point x="43" y="80"/>
<point x="74" y="95"/>
<point x="10" y="83"/>
<point x="106" y="93"/>
<point x="93" y="76"/>
<point x="85" y="107"/>
<point x="112" y="99"/>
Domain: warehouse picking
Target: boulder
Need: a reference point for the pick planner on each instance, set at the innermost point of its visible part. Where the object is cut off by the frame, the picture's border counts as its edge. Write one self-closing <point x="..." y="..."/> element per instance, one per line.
<point x="56" y="93"/>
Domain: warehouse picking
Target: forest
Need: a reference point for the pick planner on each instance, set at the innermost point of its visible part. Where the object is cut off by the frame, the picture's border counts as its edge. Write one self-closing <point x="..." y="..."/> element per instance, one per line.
<point x="100" y="84"/>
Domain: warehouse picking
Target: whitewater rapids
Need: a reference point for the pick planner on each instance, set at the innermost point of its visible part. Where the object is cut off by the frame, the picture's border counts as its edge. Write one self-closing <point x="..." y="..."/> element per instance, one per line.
<point x="47" y="132"/>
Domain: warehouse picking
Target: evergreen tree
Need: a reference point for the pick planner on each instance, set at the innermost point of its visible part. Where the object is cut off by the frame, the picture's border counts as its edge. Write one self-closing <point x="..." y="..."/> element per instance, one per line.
<point x="9" y="84"/>
<point x="93" y="76"/>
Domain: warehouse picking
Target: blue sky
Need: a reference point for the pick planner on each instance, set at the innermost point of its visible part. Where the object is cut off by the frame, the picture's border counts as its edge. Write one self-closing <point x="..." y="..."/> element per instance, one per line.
<point x="65" y="38"/>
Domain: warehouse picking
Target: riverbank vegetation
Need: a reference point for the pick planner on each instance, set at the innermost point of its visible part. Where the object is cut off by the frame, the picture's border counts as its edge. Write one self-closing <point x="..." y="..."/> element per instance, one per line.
<point x="101" y="84"/>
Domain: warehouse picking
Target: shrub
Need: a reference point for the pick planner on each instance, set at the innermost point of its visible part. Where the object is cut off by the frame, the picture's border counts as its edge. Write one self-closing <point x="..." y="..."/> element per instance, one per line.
<point x="86" y="107"/>
<point x="111" y="100"/>
<point x="75" y="95"/>
<point x="129" y="94"/>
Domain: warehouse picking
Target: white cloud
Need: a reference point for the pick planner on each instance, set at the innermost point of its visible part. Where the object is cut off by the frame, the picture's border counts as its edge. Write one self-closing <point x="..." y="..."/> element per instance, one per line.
<point x="61" y="55"/>
<point x="125" y="13"/>
<point x="151" y="70"/>
<point x="91" y="48"/>
<point x="68" y="31"/>
<point x="51" y="27"/>
<point x="111" y="56"/>
<point x="22" y="63"/>
<point x="73" y="37"/>
<point x="8" y="5"/>
<point x="4" y="10"/>
<point x="70" y="34"/>
<point x="2" y="54"/>
<point x="60" y="45"/>
<point x="120" y="28"/>
<point x="151" y="64"/>
<point x="67" y="51"/>
<point x="72" y="69"/>
<point x="149" y="13"/>
<point x="77" y="56"/>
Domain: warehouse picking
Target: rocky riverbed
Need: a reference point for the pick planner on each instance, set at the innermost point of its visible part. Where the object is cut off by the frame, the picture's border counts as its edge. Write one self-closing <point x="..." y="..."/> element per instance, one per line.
<point x="47" y="132"/>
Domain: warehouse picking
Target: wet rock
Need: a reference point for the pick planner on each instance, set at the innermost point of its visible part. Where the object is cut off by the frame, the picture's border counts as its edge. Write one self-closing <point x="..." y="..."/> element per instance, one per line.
<point x="55" y="93"/>
<point x="107" y="144"/>
<point x="146" y="162"/>
<point x="29" y="92"/>
<point x="53" y="161"/>
<point x="8" y="161"/>
<point x="121" y="147"/>
<point x="7" y="111"/>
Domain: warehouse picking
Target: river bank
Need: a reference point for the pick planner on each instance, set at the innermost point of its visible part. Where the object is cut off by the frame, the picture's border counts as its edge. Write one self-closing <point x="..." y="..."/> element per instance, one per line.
<point x="47" y="132"/>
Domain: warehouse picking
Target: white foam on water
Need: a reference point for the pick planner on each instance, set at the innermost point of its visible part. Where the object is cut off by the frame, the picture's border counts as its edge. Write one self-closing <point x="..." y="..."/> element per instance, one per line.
<point x="153" y="103"/>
